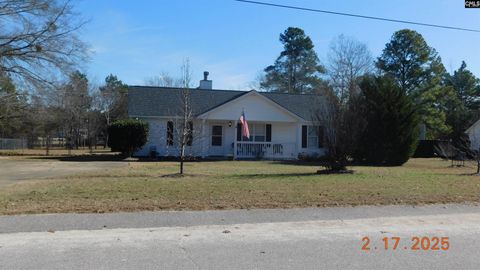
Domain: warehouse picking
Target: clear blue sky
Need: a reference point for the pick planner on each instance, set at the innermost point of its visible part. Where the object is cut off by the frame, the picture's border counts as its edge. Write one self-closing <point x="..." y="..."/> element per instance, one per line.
<point x="235" y="41"/>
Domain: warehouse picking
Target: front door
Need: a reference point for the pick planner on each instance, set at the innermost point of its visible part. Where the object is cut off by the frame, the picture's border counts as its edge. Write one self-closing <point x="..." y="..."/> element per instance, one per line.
<point x="229" y="139"/>
<point x="217" y="140"/>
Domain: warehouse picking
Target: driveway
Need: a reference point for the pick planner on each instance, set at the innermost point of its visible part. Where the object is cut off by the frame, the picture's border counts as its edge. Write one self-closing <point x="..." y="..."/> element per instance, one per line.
<point x="15" y="170"/>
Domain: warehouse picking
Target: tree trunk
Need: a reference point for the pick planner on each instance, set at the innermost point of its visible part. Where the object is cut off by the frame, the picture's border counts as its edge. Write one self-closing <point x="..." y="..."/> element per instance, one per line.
<point x="181" y="165"/>
<point x="69" y="144"/>
<point x="47" y="149"/>
<point x="182" y="156"/>
<point x="106" y="133"/>
<point x="106" y="141"/>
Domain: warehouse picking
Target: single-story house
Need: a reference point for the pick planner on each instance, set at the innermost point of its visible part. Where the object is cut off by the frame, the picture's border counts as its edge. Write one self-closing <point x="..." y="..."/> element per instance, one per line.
<point x="473" y="133"/>
<point x="280" y="125"/>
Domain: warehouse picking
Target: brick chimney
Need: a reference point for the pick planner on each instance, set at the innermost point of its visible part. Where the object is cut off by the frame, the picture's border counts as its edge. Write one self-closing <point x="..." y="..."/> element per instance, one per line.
<point x="205" y="83"/>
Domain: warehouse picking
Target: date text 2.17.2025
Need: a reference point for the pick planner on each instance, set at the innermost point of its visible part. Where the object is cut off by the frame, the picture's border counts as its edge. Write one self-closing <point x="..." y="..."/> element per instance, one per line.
<point x="416" y="243"/>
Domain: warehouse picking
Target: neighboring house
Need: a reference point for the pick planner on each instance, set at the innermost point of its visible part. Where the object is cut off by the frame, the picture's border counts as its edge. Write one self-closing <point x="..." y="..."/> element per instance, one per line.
<point x="473" y="133"/>
<point x="280" y="124"/>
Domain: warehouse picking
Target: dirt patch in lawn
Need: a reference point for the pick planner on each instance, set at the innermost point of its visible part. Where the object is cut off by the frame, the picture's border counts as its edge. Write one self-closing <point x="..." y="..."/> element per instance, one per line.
<point x="178" y="175"/>
<point x="14" y="170"/>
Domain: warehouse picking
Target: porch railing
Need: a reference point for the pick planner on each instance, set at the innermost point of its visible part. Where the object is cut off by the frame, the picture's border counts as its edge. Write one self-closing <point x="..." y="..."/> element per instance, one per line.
<point x="267" y="150"/>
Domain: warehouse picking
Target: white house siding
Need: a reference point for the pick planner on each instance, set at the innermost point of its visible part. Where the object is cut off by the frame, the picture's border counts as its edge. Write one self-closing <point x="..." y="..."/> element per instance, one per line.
<point x="286" y="129"/>
<point x="474" y="135"/>
<point x="286" y="134"/>
<point x="312" y="151"/>
<point x="309" y="151"/>
<point x="157" y="138"/>
<point x="230" y="136"/>
<point x="221" y="150"/>
<point x="256" y="108"/>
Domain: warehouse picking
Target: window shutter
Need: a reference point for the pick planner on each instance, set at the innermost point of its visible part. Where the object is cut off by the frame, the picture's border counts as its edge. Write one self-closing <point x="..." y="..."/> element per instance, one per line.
<point x="190" y="134"/>
<point x="169" y="133"/>
<point x="304" y="136"/>
<point x="239" y="132"/>
<point x="268" y="128"/>
<point x="320" y="137"/>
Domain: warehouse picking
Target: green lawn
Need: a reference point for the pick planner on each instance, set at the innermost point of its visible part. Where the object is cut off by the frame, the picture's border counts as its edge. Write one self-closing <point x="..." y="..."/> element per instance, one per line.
<point x="242" y="184"/>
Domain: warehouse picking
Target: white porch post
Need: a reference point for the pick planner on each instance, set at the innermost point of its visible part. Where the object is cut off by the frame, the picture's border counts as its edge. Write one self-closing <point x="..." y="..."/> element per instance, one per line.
<point x="235" y="141"/>
<point x="204" y="127"/>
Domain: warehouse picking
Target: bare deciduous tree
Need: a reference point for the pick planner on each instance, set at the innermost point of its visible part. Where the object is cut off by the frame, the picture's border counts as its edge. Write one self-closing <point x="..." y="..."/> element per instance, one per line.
<point x="327" y="116"/>
<point x="184" y="126"/>
<point x="164" y="80"/>
<point x="463" y="150"/>
<point x="341" y="125"/>
<point x="76" y="102"/>
<point x="348" y="59"/>
<point x="9" y="106"/>
<point x="12" y="106"/>
<point x="47" y="120"/>
<point x="181" y="134"/>
<point x="38" y="40"/>
<point x="256" y="83"/>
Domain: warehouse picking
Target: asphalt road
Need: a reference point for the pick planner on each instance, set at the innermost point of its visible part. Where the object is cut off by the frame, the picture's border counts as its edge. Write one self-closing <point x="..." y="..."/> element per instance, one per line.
<point x="328" y="238"/>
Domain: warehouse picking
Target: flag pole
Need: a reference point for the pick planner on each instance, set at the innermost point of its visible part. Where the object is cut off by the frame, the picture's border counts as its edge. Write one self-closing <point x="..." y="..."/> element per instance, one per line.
<point x="235" y="142"/>
<point x="235" y="145"/>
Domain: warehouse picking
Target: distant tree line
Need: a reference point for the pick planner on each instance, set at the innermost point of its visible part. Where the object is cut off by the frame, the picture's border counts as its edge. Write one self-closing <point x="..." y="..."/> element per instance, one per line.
<point x="42" y="94"/>
<point x="75" y="110"/>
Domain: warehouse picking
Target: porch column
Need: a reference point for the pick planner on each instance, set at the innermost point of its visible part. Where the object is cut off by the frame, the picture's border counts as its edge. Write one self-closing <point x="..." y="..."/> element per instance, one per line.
<point x="204" y="139"/>
<point x="235" y="141"/>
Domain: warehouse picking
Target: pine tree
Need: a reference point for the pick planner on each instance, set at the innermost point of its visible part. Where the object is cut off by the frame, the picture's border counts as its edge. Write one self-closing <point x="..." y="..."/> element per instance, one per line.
<point x="418" y="70"/>
<point x="409" y="60"/>
<point x="297" y="69"/>
<point x="391" y="134"/>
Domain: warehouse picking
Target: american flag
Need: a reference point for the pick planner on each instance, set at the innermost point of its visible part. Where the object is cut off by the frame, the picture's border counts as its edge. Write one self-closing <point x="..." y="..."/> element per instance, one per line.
<point x="245" y="131"/>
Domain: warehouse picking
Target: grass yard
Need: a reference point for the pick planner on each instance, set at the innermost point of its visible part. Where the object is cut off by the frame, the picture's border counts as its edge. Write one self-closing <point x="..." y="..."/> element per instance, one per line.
<point x="241" y="184"/>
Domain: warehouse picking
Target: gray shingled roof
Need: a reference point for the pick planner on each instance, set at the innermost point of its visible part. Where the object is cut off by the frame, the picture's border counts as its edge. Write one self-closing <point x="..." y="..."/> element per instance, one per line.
<point x="163" y="101"/>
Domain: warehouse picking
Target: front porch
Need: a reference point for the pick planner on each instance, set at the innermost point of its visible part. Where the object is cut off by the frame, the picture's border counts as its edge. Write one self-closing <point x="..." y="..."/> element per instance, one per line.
<point x="275" y="132"/>
<point x="268" y="140"/>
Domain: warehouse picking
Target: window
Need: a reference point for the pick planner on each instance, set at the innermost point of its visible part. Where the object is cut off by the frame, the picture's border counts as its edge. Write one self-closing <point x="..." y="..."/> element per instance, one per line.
<point x="216" y="135"/>
<point x="169" y="133"/>
<point x="312" y="137"/>
<point x="258" y="132"/>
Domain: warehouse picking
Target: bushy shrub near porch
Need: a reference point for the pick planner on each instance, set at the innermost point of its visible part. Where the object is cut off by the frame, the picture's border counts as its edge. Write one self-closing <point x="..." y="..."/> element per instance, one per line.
<point x="127" y="136"/>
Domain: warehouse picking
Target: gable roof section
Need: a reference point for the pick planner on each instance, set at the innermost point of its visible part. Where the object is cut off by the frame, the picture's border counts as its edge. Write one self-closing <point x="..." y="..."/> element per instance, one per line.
<point x="249" y="93"/>
<point x="472" y="127"/>
<point x="146" y="101"/>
